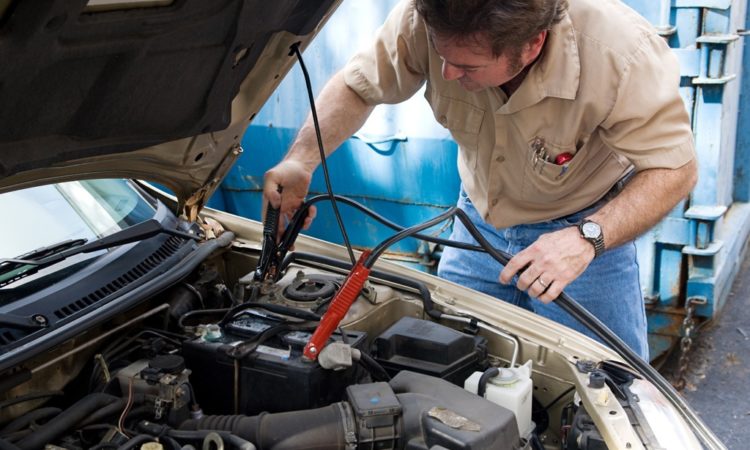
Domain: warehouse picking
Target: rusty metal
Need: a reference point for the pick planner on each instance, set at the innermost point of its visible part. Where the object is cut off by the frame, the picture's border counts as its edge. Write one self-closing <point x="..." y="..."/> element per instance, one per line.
<point x="688" y="328"/>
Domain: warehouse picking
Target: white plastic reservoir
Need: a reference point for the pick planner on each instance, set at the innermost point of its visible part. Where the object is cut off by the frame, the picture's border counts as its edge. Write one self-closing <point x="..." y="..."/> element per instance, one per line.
<point x="511" y="389"/>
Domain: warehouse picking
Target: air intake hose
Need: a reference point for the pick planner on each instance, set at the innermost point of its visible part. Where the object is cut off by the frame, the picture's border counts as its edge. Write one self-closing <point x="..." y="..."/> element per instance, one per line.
<point x="296" y="430"/>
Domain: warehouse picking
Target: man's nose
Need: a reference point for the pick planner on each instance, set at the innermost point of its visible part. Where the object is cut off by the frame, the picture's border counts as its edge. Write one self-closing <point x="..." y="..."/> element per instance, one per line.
<point x="451" y="72"/>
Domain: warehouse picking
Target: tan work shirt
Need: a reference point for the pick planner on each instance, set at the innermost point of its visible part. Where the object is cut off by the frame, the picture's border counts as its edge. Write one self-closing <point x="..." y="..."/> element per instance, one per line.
<point x="605" y="90"/>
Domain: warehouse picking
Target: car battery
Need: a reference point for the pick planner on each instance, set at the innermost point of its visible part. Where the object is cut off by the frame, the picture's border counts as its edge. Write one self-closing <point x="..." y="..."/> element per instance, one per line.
<point x="273" y="377"/>
<point x="430" y="348"/>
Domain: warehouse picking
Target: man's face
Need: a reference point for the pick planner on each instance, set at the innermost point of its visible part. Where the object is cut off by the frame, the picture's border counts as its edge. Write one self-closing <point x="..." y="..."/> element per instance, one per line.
<point x="472" y="64"/>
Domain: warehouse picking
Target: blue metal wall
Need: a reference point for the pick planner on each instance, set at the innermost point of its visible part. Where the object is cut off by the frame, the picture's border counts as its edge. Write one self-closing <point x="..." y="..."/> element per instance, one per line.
<point x="692" y="256"/>
<point x="404" y="168"/>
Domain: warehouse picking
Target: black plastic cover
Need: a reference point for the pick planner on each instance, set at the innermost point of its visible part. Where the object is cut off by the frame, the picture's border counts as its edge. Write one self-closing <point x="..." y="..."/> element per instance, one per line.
<point x="430" y="348"/>
<point x="478" y="424"/>
<point x="583" y="434"/>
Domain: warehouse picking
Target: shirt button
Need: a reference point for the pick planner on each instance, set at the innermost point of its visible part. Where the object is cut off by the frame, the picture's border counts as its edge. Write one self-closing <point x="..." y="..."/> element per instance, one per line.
<point x="500" y="159"/>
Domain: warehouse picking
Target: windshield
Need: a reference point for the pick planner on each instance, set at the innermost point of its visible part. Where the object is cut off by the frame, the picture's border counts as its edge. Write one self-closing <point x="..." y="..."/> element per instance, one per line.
<point x="42" y="216"/>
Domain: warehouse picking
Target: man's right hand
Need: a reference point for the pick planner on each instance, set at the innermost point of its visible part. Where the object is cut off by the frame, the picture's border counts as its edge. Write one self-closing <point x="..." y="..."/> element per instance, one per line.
<point x="294" y="177"/>
<point x="341" y="112"/>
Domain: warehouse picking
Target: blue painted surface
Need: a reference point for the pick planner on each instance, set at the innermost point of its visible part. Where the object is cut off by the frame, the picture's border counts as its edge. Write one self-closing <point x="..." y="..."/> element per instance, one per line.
<point x="407" y="175"/>
<point x="742" y="156"/>
<point x="412" y="180"/>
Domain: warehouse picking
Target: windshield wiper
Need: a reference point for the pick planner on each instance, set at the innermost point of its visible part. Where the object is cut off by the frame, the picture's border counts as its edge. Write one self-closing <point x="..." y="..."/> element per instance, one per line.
<point x="12" y="269"/>
<point x="51" y="249"/>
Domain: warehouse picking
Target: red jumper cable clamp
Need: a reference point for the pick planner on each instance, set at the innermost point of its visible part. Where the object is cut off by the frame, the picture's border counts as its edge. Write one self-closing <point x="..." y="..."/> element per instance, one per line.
<point x="339" y="307"/>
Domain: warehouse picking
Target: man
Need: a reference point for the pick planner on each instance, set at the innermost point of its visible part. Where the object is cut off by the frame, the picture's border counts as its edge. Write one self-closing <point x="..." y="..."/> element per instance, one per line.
<point x="554" y="108"/>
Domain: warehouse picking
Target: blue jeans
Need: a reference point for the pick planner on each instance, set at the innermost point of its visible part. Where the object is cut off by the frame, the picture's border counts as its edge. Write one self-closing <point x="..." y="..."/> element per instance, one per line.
<point x="609" y="288"/>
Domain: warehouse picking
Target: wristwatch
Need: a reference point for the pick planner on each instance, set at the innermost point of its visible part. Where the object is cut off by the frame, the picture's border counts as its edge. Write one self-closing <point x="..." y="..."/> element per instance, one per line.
<point x="592" y="232"/>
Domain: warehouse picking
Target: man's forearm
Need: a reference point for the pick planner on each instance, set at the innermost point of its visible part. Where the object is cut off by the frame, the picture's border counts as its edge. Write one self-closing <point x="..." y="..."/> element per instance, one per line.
<point x="341" y="112"/>
<point x="647" y="198"/>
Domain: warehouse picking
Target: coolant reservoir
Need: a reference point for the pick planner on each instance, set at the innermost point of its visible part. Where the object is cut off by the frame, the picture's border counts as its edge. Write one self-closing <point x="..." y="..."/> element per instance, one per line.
<point x="511" y="389"/>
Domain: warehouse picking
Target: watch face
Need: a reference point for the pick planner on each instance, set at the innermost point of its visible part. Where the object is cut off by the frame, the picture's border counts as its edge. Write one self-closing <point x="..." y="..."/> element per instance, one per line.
<point x="591" y="229"/>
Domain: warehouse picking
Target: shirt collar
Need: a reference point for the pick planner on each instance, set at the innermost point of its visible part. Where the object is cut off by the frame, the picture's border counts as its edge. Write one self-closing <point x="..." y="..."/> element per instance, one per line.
<point x="555" y="74"/>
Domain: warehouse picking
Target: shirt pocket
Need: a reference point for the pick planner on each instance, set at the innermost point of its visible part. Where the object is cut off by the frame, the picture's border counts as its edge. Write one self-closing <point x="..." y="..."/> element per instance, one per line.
<point x="544" y="180"/>
<point x="463" y="120"/>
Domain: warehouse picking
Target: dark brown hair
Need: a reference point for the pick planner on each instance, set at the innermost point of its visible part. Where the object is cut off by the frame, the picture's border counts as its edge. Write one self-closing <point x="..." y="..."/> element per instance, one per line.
<point x="506" y="24"/>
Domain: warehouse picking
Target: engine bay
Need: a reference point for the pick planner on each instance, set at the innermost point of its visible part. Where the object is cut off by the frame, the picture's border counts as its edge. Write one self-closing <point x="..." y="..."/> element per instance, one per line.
<point x="217" y="361"/>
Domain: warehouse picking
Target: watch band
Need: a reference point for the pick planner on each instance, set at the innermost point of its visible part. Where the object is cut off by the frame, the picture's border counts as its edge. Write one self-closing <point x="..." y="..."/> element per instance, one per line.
<point x="592" y="232"/>
<point x="598" y="245"/>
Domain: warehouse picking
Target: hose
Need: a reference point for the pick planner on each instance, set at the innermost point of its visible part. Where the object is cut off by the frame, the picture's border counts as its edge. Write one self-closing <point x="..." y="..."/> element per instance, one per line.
<point x="135" y="442"/>
<point x="65" y="420"/>
<point x="23" y="421"/>
<point x="314" y="429"/>
<point x="196" y="435"/>
<point x="5" y="445"/>
<point x="111" y="409"/>
<point x="29" y="397"/>
<point x="482" y="384"/>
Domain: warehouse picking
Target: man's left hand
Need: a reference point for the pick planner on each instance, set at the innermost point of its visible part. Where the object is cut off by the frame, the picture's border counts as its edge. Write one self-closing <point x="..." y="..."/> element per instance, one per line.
<point x="551" y="263"/>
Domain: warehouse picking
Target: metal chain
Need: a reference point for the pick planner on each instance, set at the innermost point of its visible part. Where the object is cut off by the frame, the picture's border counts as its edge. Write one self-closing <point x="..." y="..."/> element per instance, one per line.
<point x="688" y="327"/>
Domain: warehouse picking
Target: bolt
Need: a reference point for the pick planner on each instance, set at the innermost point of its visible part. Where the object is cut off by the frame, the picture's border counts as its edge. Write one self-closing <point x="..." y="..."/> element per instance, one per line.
<point x="313" y="350"/>
<point x="40" y="319"/>
<point x="585" y="366"/>
<point x="596" y="380"/>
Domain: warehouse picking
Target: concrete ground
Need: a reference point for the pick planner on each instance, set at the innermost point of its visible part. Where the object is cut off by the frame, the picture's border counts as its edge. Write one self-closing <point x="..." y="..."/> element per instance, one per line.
<point x="718" y="375"/>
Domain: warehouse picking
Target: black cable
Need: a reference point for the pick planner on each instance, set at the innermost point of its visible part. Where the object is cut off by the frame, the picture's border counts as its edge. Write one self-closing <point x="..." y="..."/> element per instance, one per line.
<point x="553" y="402"/>
<point x="376" y="371"/>
<point x="302" y="213"/>
<point x="288" y="311"/>
<point x="242" y="350"/>
<point x="199" y="312"/>
<point x="575" y="310"/>
<point x="295" y="50"/>
<point x="195" y="292"/>
<point x="424" y="291"/>
<point x="383" y="246"/>
<point x="590" y="321"/>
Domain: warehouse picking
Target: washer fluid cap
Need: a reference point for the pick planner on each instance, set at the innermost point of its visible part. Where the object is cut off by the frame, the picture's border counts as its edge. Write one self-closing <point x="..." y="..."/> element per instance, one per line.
<point x="505" y="377"/>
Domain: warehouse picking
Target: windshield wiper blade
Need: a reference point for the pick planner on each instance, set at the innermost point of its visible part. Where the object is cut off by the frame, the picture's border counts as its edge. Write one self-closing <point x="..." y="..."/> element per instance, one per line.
<point x="14" y="269"/>
<point x="26" y="262"/>
<point x="49" y="250"/>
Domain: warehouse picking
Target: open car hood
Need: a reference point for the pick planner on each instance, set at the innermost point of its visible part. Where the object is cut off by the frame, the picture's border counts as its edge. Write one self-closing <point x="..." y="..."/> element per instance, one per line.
<point x="160" y="90"/>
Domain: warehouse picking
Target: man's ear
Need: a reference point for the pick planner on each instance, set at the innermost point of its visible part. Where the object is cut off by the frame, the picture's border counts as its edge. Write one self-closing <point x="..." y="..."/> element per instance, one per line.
<point x="533" y="47"/>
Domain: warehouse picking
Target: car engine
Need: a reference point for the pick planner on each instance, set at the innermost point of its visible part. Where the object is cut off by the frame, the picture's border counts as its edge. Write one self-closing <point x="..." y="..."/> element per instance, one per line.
<point x="216" y="361"/>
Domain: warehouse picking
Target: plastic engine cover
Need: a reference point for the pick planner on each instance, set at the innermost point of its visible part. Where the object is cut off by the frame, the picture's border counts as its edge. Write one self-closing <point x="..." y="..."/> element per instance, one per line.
<point x="430" y="348"/>
<point x="438" y="414"/>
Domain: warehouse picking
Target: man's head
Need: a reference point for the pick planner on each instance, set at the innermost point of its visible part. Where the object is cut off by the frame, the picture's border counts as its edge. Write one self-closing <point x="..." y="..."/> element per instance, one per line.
<point x="486" y="43"/>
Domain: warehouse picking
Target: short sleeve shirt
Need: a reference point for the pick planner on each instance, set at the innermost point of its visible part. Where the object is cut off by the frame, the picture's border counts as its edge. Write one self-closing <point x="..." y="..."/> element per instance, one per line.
<point x="604" y="90"/>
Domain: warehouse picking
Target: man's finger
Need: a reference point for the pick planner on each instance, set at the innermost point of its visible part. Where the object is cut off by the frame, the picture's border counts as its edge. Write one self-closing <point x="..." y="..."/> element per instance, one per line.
<point x="312" y="211"/>
<point x="515" y="265"/>
<point x="554" y="291"/>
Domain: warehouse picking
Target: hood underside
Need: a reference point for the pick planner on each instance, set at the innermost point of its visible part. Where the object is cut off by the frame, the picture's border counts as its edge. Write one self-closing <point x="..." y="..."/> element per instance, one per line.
<point x="157" y="89"/>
